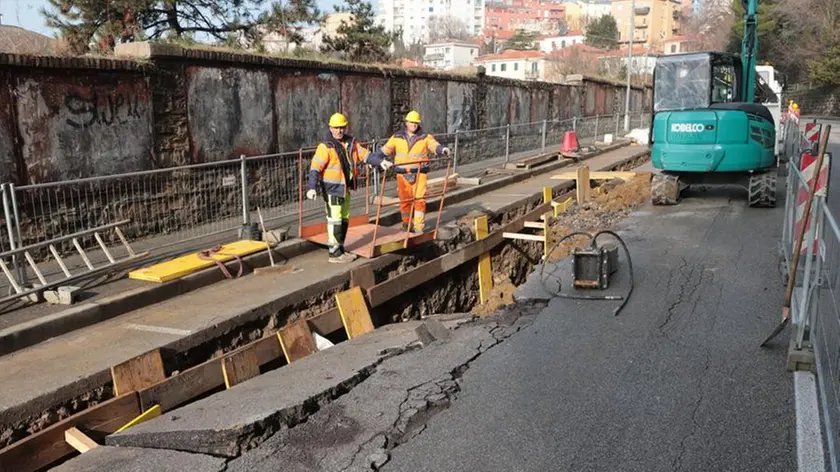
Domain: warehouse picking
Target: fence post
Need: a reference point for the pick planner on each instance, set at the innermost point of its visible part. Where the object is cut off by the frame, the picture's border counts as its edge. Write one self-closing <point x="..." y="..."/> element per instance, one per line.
<point x="455" y="152"/>
<point x="799" y="319"/>
<point x="507" y="143"/>
<point x="596" y="128"/>
<point x="375" y="171"/>
<point x="247" y="231"/>
<point x="7" y="214"/>
<point x="544" y="126"/>
<point x="574" y="124"/>
<point x="16" y="214"/>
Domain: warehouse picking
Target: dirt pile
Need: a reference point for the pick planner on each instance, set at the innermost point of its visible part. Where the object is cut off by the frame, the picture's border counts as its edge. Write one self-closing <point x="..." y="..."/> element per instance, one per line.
<point x="601" y="213"/>
<point x="500" y="296"/>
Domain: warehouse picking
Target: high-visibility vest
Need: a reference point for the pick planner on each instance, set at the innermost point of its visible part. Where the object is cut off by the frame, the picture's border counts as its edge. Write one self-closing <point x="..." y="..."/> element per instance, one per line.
<point x="410" y="149"/>
<point x="327" y="166"/>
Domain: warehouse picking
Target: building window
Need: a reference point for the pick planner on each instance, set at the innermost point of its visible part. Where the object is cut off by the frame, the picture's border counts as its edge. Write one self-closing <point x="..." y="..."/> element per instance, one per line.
<point x="515" y="66"/>
<point x="493" y="68"/>
<point x="504" y="66"/>
<point x="431" y="9"/>
<point x="673" y="48"/>
<point x="562" y="44"/>
<point x="534" y="67"/>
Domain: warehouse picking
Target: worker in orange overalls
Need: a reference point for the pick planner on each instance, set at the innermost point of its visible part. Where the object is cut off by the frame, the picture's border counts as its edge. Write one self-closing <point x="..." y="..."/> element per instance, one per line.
<point x="335" y="166"/>
<point x="410" y="148"/>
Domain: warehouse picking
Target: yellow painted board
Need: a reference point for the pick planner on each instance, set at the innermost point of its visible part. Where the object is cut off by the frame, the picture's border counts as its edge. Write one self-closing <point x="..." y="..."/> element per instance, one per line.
<point x="595" y="175"/>
<point x="185" y="265"/>
<point x="546" y="194"/>
<point x="152" y="412"/>
<point x="485" y="272"/>
<point x="354" y="312"/>
<point x="560" y="208"/>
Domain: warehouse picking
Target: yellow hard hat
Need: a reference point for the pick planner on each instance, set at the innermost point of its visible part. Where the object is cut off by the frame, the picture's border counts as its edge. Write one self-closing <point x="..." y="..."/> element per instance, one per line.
<point x="413" y="117"/>
<point x="338" y="120"/>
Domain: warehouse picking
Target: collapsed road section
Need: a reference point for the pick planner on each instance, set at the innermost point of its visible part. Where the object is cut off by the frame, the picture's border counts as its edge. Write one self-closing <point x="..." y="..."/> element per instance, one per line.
<point x="198" y="335"/>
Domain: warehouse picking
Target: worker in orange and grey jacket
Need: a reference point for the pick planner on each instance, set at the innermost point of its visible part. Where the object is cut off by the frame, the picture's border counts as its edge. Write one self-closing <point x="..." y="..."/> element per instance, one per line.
<point x="410" y="148"/>
<point x="335" y="166"/>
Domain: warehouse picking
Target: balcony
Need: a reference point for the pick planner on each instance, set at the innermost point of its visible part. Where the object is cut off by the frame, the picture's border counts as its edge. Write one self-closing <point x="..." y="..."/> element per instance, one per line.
<point x="642" y="11"/>
<point x="641" y="26"/>
<point x="433" y="57"/>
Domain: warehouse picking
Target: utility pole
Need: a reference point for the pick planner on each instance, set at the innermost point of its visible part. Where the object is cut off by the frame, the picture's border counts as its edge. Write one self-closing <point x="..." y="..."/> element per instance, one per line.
<point x="629" y="67"/>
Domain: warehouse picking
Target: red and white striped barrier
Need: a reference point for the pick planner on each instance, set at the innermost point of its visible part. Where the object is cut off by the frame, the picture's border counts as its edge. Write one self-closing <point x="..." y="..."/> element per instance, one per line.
<point x="808" y="166"/>
<point x="812" y="135"/>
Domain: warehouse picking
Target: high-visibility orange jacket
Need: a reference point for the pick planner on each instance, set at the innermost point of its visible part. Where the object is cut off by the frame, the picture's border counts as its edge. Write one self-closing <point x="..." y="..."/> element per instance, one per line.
<point x="337" y="164"/>
<point x="405" y="149"/>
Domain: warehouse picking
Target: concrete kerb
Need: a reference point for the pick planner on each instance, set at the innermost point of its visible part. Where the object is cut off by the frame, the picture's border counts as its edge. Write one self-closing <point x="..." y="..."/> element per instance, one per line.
<point x="35" y="331"/>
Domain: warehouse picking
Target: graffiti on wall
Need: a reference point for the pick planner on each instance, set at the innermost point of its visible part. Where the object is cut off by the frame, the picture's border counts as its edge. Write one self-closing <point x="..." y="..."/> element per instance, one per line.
<point x="108" y="108"/>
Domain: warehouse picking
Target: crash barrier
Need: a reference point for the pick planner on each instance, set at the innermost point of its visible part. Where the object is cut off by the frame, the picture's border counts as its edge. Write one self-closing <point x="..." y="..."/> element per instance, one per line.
<point x="814" y="313"/>
<point x="174" y="206"/>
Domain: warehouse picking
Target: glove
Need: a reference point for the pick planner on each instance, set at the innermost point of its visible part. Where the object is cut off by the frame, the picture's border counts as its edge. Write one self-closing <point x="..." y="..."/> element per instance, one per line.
<point x="386" y="164"/>
<point x="445" y="151"/>
<point x="311" y="194"/>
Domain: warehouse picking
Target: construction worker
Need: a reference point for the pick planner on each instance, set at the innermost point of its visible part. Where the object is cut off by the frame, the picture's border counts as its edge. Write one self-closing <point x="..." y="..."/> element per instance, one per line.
<point x="409" y="146"/>
<point x="335" y="166"/>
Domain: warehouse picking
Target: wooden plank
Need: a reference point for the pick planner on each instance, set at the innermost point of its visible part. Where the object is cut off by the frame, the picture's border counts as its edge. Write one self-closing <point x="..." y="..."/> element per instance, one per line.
<point x="182" y="266"/>
<point x="582" y="185"/>
<point x="596" y="175"/>
<point x="534" y="225"/>
<point x="485" y="270"/>
<point x="469" y="180"/>
<point x="524" y="237"/>
<point x="138" y="373"/>
<point x="240" y="365"/>
<point x="547" y="194"/>
<point x="79" y="440"/>
<point x="354" y="312"/>
<point x="200" y="379"/>
<point x="296" y="341"/>
<point x="151" y="413"/>
<point x="49" y="445"/>
<point x="363" y="277"/>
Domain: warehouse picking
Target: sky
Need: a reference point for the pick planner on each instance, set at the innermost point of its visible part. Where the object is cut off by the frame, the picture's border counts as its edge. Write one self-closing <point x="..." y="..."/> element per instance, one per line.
<point x="27" y="13"/>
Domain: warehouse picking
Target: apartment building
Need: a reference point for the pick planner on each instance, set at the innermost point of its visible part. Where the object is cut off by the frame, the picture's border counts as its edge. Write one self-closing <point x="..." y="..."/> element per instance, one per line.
<point x="548" y="44"/>
<point x="450" y="55"/>
<point x="413" y="16"/>
<point x="513" y="64"/>
<point x="656" y="21"/>
<point x="580" y="12"/>
<point x="504" y="17"/>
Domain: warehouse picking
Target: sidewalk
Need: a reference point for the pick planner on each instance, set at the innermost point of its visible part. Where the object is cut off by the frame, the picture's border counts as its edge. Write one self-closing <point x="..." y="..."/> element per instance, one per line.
<point x="62" y="368"/>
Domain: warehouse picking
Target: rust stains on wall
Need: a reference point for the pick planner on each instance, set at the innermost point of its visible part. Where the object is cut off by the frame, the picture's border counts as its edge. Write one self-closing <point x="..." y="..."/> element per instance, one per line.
<point x="305" y="102"/>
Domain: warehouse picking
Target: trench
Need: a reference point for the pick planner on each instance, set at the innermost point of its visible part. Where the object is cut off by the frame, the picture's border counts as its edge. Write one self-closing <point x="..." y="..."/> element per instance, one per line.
<point x="455" y="291"/>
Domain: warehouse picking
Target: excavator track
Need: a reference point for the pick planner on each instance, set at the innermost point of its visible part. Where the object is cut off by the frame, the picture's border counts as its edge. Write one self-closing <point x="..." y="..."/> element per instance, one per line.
<point x="665" y="189"/>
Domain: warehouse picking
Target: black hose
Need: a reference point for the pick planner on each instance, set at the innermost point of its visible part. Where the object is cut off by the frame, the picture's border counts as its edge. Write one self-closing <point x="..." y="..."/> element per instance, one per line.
<point x="592" y="244"/>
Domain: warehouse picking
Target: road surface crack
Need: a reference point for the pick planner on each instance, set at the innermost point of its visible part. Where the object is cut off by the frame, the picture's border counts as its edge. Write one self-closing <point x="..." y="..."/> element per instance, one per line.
<point x="677" y="464"/>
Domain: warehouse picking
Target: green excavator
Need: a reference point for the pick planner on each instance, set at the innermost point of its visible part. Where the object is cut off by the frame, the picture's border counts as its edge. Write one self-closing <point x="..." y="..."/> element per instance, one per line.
<point x="710" y="124"/>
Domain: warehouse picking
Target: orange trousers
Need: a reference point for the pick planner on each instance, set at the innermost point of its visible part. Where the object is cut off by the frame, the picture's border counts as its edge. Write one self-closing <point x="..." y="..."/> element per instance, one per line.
<point x="408" y="191"/>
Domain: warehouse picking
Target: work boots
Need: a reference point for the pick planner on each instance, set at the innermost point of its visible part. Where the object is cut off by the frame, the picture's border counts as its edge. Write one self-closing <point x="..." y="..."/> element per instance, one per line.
<point x="341" y="257"/>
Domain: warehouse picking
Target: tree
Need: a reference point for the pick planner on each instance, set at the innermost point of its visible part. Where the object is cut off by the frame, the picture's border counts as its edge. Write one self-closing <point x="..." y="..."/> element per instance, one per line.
<point x="360" y="40"/>
<point x="116" y="21"/>
<point x="603" y="33"/>
<point x="826" y="70"/>
<point x="521" y="40"/>
<point x="446" y="27"/>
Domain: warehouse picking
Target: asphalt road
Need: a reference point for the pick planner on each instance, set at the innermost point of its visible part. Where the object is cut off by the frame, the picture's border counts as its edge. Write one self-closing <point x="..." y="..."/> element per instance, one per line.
<point x="676" y="382"/>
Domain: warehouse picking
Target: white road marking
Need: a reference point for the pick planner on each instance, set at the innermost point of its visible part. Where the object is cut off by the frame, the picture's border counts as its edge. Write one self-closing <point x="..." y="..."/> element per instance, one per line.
<point x="159" y="329"/>
<point x="809" y="442"/>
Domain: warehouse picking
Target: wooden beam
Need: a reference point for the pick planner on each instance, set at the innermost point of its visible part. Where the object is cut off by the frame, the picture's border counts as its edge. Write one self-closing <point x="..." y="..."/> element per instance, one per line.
<point x="596" y="175"/>
<point x="524" y="237"/>
<point x="47" y="446"/>
<point x="200" y="379"/>
<point x="534" y="225"/>
<point x="138" y="373"/>
<point x="240" y="365"/>
<point x="563" y="207"/>
<point x="363" y="277"/>
<point x="79" y="440"/>
<point x="354" y="312"/>
<point x="297" y="341"/>
<point x="485" y="270"/>
<point x="469" y="180"/>
<point x="582" y="185"/>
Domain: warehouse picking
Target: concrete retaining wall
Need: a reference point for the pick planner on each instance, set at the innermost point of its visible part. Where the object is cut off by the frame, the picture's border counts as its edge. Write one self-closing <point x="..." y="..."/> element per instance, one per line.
<point x="824" y="101"/>
<point x="66" y="118"/>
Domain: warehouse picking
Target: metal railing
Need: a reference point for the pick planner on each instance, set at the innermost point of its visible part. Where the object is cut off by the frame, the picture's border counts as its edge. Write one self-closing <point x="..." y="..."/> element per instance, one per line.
<point x="815" y="304"/>
<point x="175" y="205"/>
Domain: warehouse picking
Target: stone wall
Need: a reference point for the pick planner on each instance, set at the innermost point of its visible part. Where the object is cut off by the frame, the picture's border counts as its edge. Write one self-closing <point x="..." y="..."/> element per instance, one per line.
<point x="823" y="101"/>
<point x="158" y="106"/>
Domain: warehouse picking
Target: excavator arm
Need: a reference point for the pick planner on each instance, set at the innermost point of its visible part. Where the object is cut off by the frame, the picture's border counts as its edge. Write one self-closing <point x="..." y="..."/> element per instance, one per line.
<point x="749" y="49"/>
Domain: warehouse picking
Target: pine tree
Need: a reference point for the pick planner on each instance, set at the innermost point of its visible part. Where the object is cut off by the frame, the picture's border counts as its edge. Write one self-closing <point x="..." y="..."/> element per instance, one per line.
<point x="361" y="39"/>
<point x="602" y="33"/>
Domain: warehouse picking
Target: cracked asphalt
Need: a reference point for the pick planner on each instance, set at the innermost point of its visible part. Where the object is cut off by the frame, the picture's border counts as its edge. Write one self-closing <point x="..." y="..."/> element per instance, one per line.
<point x="676" y="382"/>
